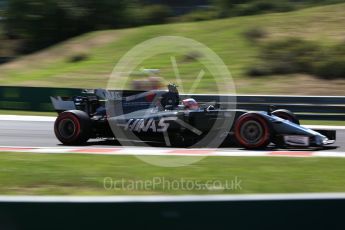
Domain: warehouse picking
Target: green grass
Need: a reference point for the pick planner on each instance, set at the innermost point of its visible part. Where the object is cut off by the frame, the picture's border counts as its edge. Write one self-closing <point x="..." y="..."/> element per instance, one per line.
<point x="51" y="67"/>
<point x="43" y="174"/>
<point x="335" y="123"/>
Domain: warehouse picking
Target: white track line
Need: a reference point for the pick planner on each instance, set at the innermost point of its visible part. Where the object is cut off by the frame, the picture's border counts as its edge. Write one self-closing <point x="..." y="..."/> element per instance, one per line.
<point x="25" y="118"/>
<point x="169" y="152"/>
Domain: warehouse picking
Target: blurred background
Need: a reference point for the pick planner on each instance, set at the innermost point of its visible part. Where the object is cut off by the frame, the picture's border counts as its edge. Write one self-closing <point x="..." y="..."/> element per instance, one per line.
<point x="282" y="47"/>
<point x="270" y="46"/>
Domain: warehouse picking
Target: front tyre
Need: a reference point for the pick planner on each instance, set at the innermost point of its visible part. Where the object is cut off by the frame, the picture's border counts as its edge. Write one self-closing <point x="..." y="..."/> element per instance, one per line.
<point x="252" y="131"/>
<point x="72" y="127"/>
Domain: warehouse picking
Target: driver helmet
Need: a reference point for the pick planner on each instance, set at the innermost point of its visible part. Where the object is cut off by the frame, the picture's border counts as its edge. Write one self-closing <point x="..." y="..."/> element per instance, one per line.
<point x="190" y="103"/>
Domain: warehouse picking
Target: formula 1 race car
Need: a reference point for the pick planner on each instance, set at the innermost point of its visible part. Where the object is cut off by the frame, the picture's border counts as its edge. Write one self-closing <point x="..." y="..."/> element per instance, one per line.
<point x="161" y="116"/>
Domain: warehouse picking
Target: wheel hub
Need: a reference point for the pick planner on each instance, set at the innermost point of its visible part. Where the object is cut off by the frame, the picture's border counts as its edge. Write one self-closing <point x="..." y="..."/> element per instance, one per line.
<point x="251" y="132"/>
<point x="67" y="128"/>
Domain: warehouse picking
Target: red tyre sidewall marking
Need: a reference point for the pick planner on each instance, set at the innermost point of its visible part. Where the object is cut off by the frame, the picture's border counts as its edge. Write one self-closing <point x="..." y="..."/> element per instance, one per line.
<point x="76" y="122"/>
<point x="247" y="117"/>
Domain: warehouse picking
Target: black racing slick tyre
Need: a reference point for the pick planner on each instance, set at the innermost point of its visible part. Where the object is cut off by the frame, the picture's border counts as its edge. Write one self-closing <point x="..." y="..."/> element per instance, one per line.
<point x="286" y="115"/>
<point x="72" y="127"/>
<point x="252" y="131"/>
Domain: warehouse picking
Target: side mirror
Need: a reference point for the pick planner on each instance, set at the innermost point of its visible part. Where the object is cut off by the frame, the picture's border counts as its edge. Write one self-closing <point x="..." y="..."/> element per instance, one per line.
<point x="210" y="108"/>
<point x="270" y="109"/>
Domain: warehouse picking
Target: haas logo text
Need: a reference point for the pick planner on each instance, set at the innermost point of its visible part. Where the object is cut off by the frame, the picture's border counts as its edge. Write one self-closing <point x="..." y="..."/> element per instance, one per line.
<point x="150" y="125"/>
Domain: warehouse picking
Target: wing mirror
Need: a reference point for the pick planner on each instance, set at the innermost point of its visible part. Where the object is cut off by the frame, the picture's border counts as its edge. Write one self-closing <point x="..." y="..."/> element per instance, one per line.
<point x="270" y="109"/>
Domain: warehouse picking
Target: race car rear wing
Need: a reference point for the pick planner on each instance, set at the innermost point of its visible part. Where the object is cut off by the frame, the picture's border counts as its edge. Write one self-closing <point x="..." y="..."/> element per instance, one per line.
<point x="61" y="105"/>
<point x="91" y="99"/>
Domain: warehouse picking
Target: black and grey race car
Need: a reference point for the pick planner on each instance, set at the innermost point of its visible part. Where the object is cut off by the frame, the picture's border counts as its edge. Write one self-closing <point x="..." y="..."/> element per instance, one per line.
<point x="159" y="116"/>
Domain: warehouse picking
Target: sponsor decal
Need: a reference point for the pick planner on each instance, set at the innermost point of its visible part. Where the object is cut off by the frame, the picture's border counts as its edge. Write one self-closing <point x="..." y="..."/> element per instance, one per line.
<point x="149" y="125"/>
<point x="296" y="140"/>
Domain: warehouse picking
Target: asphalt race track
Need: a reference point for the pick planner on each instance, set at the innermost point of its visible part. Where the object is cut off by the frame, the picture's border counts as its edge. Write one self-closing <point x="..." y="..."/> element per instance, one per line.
<point x="37" y="133"/>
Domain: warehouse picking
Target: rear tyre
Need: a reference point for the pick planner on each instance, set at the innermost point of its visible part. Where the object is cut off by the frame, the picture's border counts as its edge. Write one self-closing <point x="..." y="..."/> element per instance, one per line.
<point x="72" y="127"/>
<point x="252" y="131"/>
<point x="286" y="115"/>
